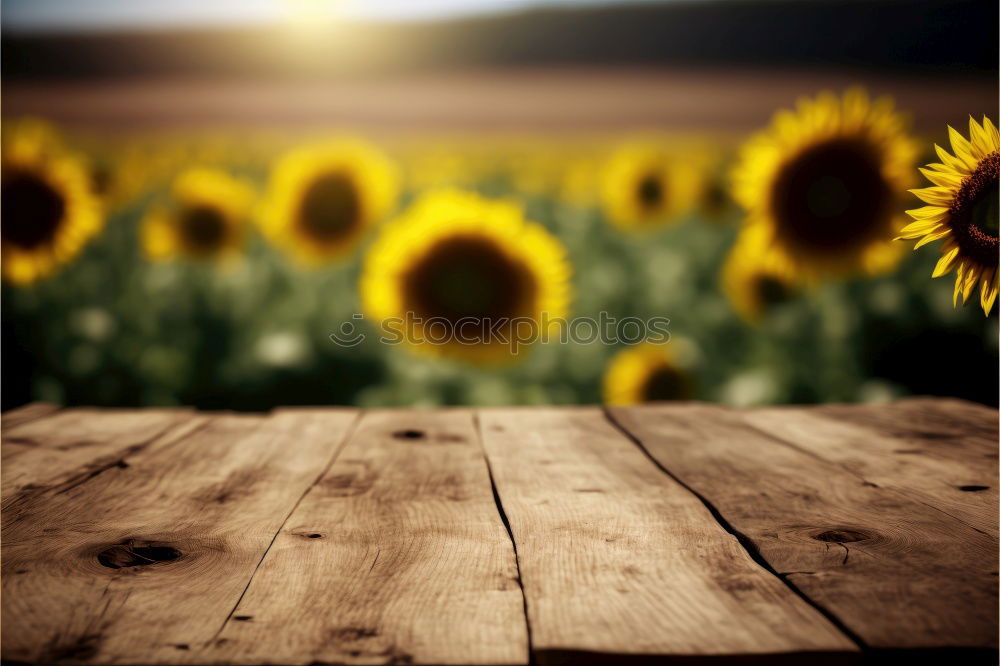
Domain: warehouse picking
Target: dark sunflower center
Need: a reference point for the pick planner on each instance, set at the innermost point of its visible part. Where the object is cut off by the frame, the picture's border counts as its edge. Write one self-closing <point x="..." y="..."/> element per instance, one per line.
<point x="665" y="383"/>
<point x="331" y="208"/>
<point x="203" y="228"/>
<point x="832" y="198"/>
<point x="715" y="198"/>
<point x="771" y="291"/>
<point x="650" y="192"/>
<point x="467" y="276"/>
<point x="32" y="210"/>
<point x="101" y="179"/>
<point x="974" y="212"/>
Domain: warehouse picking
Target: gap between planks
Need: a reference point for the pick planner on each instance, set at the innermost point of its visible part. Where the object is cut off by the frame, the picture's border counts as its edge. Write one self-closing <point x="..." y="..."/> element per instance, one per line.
<point x="501" y="512"/>
<point x="532" y="651"/>
<point x="620" y="562"/>
<point x="751" y="550"/>
<point x="910" y="587"/>
<point x="214" y="543"/>
<point x="409" y="542"/>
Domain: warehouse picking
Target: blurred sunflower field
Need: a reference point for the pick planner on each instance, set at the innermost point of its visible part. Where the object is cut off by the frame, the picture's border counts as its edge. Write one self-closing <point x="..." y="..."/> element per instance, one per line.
<point x="240" y="205"/>
<point x="210" y="268"/>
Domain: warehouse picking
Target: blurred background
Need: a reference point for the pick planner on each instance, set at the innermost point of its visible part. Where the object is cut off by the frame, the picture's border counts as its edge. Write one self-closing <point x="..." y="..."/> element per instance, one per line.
<point x="535" y="102"/>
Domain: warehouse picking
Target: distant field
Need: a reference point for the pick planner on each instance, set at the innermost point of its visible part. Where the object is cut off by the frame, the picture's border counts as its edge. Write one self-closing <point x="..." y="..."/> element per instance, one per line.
<point x="545" y="100"/>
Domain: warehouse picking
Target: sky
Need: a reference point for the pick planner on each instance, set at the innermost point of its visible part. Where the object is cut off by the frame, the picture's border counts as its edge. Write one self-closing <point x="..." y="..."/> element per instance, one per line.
<point x="60" y="15"/>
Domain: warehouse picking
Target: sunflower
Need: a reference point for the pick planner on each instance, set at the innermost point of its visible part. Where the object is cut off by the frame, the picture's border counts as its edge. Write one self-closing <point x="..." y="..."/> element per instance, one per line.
<point x="642" y="188"/>
<point x="465" y="268"/>
<point x="963" y="211"/>
<point x="754" y="278"/>
<point x="206" y="219"/>
<point x="825" y="182"/>
<point x="323" y="198"/>
<point x="645" y="373"/>
<point x="48" y="210"/>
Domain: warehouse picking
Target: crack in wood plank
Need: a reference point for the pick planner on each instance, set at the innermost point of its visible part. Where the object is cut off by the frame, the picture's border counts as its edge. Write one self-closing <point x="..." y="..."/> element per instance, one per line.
<point x="71" y="444"/>
<point x="750" y="425"/>
<point x="30" y="494"/>
<point x="915" y="590"/>
<point x="141" y="611"/>
<point x="619" y="562"/>
<point x="329" y="463"/>
<point x="397" y="555"/>
<point x="748" y="545"/>
<point x="171" y="431"/>
<point x="510" y="534"/>
<point x="401" y="558"/>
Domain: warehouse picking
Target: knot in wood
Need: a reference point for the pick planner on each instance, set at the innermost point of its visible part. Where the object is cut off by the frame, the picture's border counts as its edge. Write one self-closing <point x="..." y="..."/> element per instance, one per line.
<point x="842" y="536"/>
<point x="409" y="434"/>
<point x="133" y="553"/>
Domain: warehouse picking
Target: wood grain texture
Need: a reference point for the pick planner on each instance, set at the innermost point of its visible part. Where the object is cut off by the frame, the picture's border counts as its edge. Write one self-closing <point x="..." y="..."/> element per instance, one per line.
<point x="934" y="416"/>
<point x="945" y="428"/>
<point x="897" y="572"/>
<point x="77" y="443"/>
<point x="950" y="473"/>
<point x="619" y="560"/>
<point x="397" y="555"/>
<point x="173" y="537"/>
<point x="143" y="562"/>
<point x="25" y="413"/>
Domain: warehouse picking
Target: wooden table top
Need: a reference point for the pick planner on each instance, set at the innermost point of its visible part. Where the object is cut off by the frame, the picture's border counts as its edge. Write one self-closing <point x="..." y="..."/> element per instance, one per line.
<point x="499" y="536"/>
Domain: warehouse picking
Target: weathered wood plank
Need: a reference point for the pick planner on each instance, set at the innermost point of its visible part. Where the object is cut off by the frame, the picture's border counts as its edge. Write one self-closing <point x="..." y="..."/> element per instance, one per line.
<point x="966" y="429"/>
<point x="948" y="473"/>
<point x="398" y="555"/>
<point x="619" y="560"/>
<point x="25" y="413"/>
<point x="969" y="419"/>
<point x="896" y="572"/>
<point x="77" y="442"/>
<point x="143" y="562"/>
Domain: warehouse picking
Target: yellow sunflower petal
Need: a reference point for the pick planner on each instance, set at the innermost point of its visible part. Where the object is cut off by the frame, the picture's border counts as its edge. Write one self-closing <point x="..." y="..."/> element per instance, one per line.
<point x="971" y="277"/>
<point x="928" y="213"/>
<point x="444" y="256"/>
<point x="645" y="373"/>
<point x="795" y="142"/>
<point x="945" y="263"/>
<point x="950" y="160"/>
<point x="934" y="195"/>
<point x="949" y="180"/>
<point x="959" y="274"/>
<point x="35" y="244"/>
<point x="206" y="219"/>
<point x="643" y="187"/>
<point x="992" y="134"/>
<point x="987" y="296"/>
<point x="962" y="149"/>
<point x="979" y="140"/>
<point x="323" y="198"/>
<point x="918" y="229"/>
<point x="930" y="238"/>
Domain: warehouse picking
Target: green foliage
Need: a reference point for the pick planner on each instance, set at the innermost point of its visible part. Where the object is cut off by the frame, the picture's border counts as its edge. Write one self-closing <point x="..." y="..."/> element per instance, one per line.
<point x="114" y="329"/>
